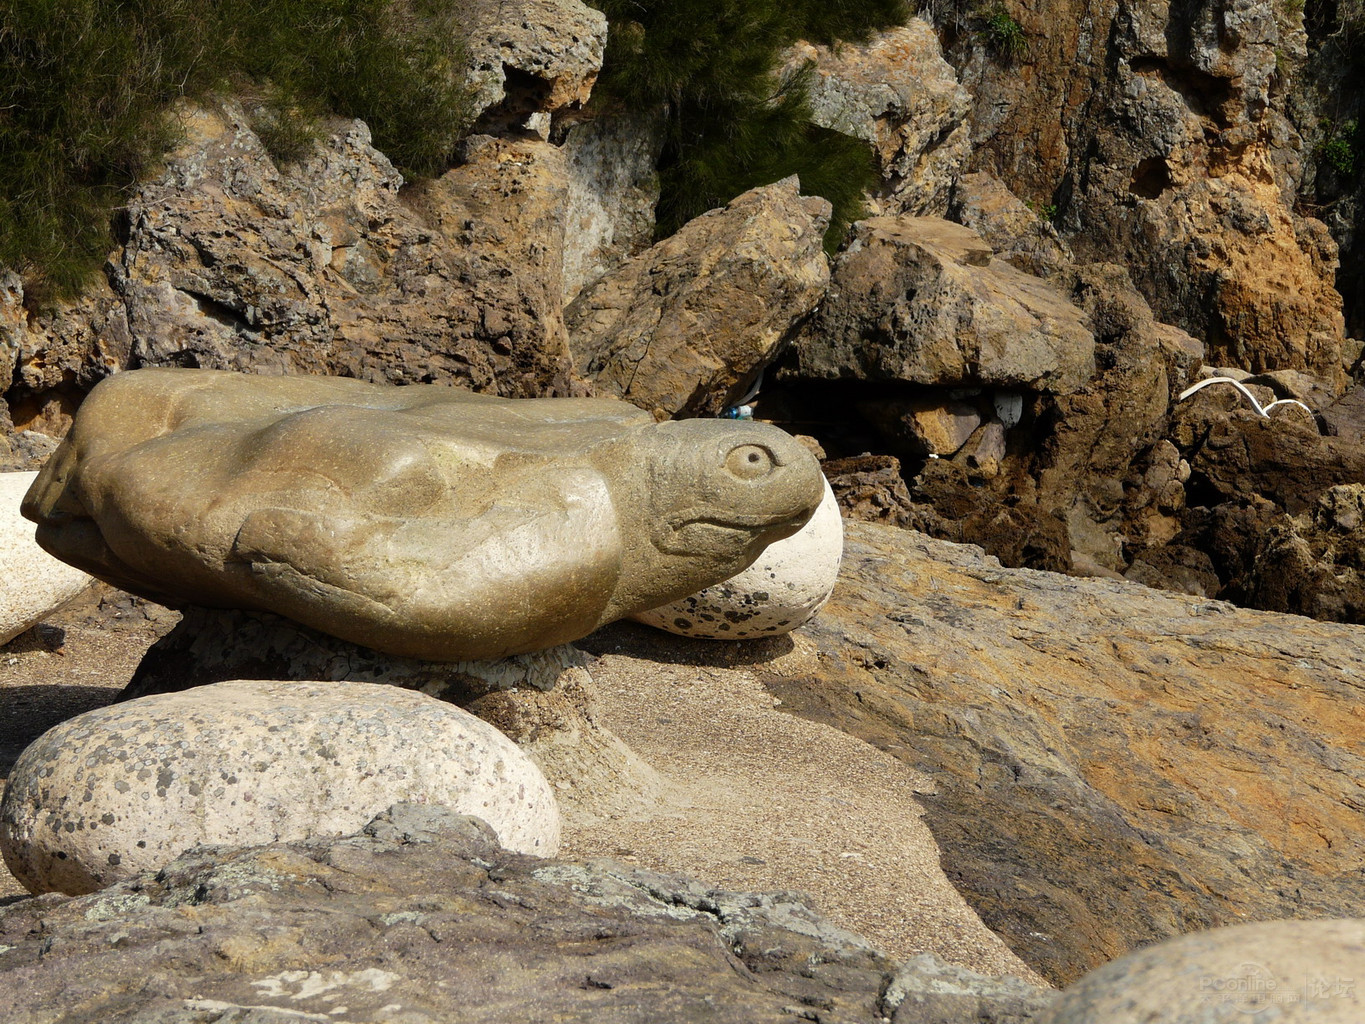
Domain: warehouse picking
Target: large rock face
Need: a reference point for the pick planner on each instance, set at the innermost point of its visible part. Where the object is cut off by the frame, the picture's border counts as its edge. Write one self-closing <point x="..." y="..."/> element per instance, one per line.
<point x="127" y="788"/>
<point x="684" y="327"/>
<point x="1157" y="134"/>
<point x="424" y="521"/>
<point x="1113" y="765"/>
<point x="918" y="299"/>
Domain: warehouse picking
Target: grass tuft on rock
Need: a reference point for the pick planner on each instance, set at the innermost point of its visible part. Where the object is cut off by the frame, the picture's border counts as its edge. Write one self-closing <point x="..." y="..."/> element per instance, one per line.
<point x="87" y="89"/>
<point x="733" y="121"/>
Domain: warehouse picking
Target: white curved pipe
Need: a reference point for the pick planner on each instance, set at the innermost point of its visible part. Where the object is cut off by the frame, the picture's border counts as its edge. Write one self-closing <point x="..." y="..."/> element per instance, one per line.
<point x="1261" y="410"/>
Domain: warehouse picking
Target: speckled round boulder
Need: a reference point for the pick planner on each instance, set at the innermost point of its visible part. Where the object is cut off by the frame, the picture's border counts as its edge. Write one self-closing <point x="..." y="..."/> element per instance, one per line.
<point x="1289" y="972"/>
<point x="32" y="582"/>
<point x="127" y="788"/>
<point x="789" y="583"/>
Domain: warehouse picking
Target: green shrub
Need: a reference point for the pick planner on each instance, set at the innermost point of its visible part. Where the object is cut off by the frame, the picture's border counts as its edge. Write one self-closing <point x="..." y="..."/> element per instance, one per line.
<point x="86" y="88"/>
<point x="732" y="122"/>
<point x="1002" y="35"/>
<point x="1340" y="146"/>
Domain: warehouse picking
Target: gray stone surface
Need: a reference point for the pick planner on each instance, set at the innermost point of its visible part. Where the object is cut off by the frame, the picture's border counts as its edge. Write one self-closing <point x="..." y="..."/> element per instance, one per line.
<point x="423" y="521"/>
<point x="127" y="788"/>
<point x="422" y="918"/>
<point x="1286" y="972"/>
<point x="928" y="991"/>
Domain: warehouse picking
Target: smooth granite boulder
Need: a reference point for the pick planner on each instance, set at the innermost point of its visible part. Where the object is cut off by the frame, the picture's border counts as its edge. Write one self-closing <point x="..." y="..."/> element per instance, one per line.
<point x="423" y="521"/>
<point x="32" y="582"/>
<point x="129" y="787"/>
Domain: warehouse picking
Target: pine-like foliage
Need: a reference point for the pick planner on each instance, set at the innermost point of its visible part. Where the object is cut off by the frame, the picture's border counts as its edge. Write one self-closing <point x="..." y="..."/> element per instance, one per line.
<point x="86" y="87"/>
<point x="732" y="121"/>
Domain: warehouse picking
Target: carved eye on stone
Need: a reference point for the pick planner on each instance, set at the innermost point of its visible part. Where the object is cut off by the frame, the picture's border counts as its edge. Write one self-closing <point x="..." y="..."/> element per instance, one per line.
<point x="749" y="461"/>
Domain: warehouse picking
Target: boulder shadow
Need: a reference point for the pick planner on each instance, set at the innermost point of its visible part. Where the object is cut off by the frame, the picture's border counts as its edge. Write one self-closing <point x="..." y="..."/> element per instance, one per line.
<point x="625" y="637"/>
<point x="26" y="712"/>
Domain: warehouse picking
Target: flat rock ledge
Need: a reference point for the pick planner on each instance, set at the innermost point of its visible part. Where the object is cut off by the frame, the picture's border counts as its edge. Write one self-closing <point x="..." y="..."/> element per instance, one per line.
<point x="363" y="928"/>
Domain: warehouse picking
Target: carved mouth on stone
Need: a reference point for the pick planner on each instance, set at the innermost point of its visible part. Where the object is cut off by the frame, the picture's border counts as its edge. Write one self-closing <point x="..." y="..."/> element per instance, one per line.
<point x="689" y="529"/>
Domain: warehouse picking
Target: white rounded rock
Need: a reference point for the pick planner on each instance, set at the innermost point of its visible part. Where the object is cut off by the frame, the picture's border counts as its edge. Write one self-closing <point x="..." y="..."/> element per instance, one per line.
<point x="126" y="788"/>
<point x="1289" y="972"/>
<point x="32" y="582"/>
<point x="789" y="583"/>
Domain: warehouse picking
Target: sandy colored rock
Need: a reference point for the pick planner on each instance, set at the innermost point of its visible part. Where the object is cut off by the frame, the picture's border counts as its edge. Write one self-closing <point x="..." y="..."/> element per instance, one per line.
<point x="613" y="189"/>
<point x="125" y="789"/>
<point x="918" y="299"/>
<point x="1291" y="972"/>
<point x="32" y="582"/>
<point x="686" y="325"/>
<point x="897" y="93"/>
<point x="790" y="583"/>
<point x="423" y="521"/>
<point x="1111" y="764"/>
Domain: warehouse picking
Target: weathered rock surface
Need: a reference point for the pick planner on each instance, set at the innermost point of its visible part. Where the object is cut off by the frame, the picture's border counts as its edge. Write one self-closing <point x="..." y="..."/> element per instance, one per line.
<point x="1114" y="765"/>
<point x="1159" y="132"/>
<point x="530" y="59"/>
<point x="685" y="327"/>
<point x="925" y="990"/>
<point x="367" y="923"/>
<point x="320" y="267"/>
<point x="125" y="789"/>
<point x="32" y="582"/>
<point x="424" y="521"/>
<point x="897" y="93"/>
<point x="919" y="300"/>
<point x="789" y="583"/>
<point x="1009" y="226"/>
<point x="1298" y="972"/>
<point x="613" y="189"/>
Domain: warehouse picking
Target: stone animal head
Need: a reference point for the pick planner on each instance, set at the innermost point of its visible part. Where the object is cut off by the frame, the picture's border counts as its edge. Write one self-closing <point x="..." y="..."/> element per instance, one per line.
<point x="707" y="496"/>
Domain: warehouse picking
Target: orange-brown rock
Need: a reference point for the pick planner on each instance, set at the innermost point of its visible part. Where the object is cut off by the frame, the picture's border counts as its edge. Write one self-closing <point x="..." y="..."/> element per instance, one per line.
<point x="1158" y="131"/>
<point x="1114" y="765"/>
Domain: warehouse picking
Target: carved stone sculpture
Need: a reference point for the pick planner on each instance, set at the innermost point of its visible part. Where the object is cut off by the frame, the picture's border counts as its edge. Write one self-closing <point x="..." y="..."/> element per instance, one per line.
<point x="423" y="521"/>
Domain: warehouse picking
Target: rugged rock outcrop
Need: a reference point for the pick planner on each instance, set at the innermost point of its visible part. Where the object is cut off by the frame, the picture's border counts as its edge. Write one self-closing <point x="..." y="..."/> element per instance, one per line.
<point x="1113" y="765"/>
<point x="1156" y="132"/>
<point x="897" y="93"/>
<point x="530" y="60"/>
<point x="613" y="188"/>
<point x="320" y="267"/>
<point x="918" y="299"/>
<point x="685" y="327"/>
<point x="368" y="922"/>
